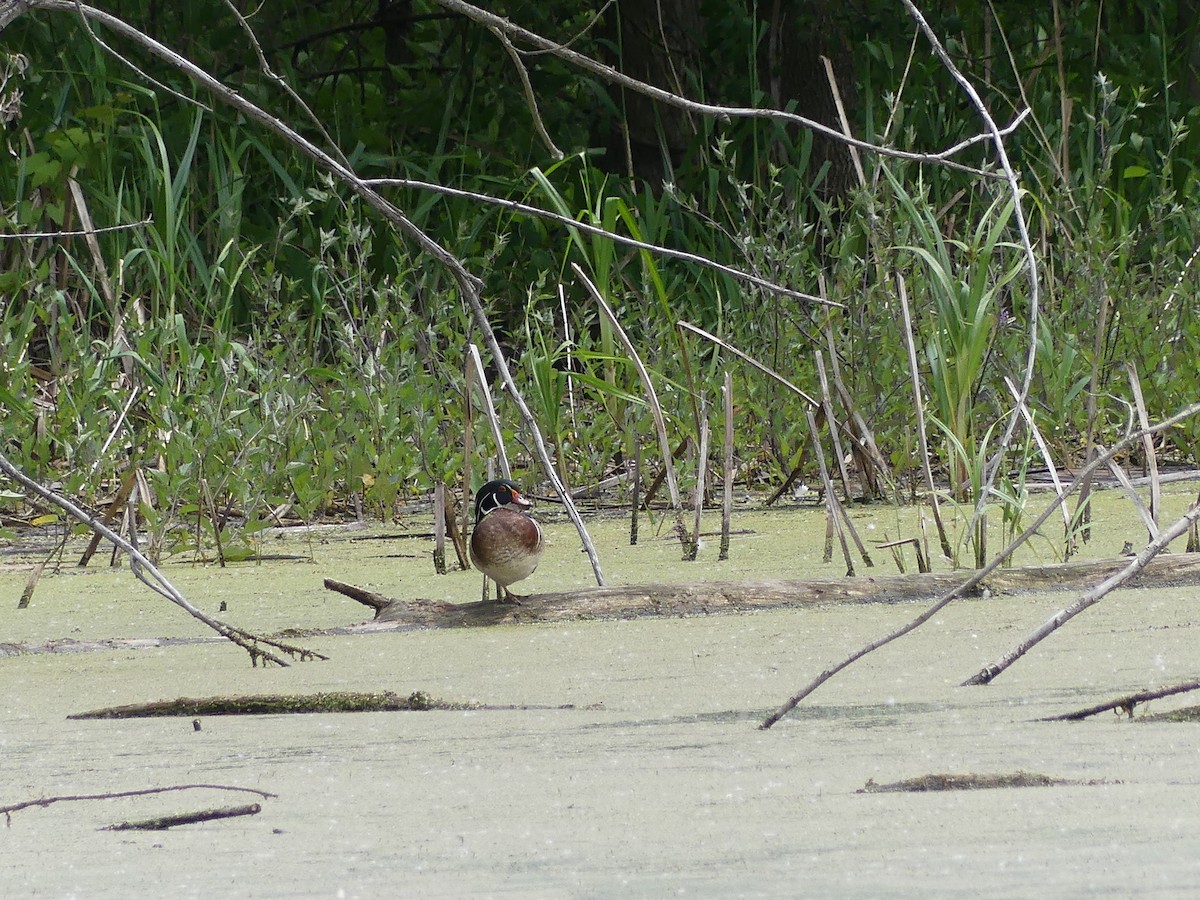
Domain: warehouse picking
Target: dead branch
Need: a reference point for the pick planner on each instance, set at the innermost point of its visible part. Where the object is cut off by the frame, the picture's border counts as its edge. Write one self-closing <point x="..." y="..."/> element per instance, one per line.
<point x="615" y="236"/>
<point x="919" y="403"/>
<point x="975" y="580"/>
<point x="608" y="73"/>
<point x="1091" y="598"/>
<point x="57" y="235"/>
<point x="161" y="823"/>
<point x="660" y="425"/>
<point x="117" y="795"/>
<point x="148" y="574"/>
<point x="1125" y="704"/>
<point x="372" y="599"/>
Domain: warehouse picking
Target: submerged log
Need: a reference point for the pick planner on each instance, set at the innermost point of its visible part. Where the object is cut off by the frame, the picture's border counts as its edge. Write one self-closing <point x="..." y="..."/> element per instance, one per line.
<point x="705" y="598"/>
<point x="162" y="823"/>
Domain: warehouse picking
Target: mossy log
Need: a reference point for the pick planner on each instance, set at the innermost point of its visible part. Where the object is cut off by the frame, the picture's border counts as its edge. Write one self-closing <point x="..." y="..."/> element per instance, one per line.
<point x="705" y="598"/>
<point x="273" y="704"/>
<point x="968" y="782"/>
<point x="289" y="704"/>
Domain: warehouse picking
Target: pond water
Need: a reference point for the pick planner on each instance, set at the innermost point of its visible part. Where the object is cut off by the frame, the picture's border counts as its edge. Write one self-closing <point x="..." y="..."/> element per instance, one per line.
<point x="654" y="781"/>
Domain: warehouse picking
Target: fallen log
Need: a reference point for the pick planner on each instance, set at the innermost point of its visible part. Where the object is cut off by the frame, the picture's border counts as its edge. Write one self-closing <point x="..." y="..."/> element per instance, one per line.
<point x="707" y="598"/>
<point x="298" y="704"/>
<point x="1126" y="704"/>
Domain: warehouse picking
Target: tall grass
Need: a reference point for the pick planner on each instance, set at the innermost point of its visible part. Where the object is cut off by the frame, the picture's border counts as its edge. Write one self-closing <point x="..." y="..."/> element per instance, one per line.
<point x="284" y="349"/>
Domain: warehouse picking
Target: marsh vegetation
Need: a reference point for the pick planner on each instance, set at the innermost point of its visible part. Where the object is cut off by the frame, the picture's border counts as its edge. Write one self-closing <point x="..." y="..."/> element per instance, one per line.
<point x="253" y="286"/>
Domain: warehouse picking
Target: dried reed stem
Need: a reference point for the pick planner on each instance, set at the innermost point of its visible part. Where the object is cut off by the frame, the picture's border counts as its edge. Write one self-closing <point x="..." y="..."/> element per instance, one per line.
<point x="701" y="477"/>
<point x="910" y="344"/>
<point x="660" y="425"/>
<point x="1150" y="457"/>
<point x="727" y="468"/>
<point x="439" y="528"/>
<point x="489" y="408"/>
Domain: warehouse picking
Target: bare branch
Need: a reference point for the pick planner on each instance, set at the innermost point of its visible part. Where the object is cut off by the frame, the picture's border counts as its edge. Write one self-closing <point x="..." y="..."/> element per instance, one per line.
<point x="766" y="370"/>
<point x="1126" y="703"/>
<point x="117" y="795"/>
<point x="530" y="97"/>
<point x="282" y="83"/>
<point x="166" y="89"/>
<point x="608" y="73"/>
<point x="147" y="573"/>
<point x="615" y="237"/>
<point x="987" y="674"/>
<point x="660" y="425"/>
<point x="1031" y="263"/>
<point x="975" y="580"/>
<point x="22" y="235"/>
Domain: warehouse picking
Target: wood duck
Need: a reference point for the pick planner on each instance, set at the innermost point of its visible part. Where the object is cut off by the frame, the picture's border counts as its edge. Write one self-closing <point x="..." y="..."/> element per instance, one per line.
<point x="506" y="544"/>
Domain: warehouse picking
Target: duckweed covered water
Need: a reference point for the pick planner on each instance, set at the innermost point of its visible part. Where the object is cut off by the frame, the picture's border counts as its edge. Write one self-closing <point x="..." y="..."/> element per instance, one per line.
<point x="656" y="782"/>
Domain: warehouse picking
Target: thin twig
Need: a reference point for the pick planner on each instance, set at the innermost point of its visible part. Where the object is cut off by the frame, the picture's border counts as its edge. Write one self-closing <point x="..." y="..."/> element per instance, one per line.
<point x="1031" y="262"/>
<point x="1132" y="494"/>
<point x="1148" y="454"/>
<point x="439" y="528"/>
<point x="919" y="404"/>
<point x="62" y="234"/>
<point x="766" y="370"/>
<point x="843" y="120"/>
<point x="727" y="485"/>
<point x="266" y="69"/>
<point x="827" y="405"/>
<point x="476" y="364"/>
<point x="834" y="517"/>
<point x="1043" y="448"/>
<point x="701" y="477"/>
<point x="530" y="96"/>
<point x="85" y="17"/>
<point x="871" y="461"/>
<point x="117" y="795"/>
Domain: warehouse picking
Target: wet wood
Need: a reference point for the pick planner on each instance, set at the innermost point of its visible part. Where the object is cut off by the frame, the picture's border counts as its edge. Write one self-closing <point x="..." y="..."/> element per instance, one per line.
<point x="705" y="598"/>
<point x="42" y="802"/>
<point x="968" y="782"/>
<point x="296" y="704"/>
<point x="162" y="823"/>
<point x="274" y="704"/>
<point x="1127" y="703"/>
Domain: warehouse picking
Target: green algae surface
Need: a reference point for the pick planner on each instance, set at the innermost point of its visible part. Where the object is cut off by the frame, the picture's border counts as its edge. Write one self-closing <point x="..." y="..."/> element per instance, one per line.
<point x="628" y="763"/>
